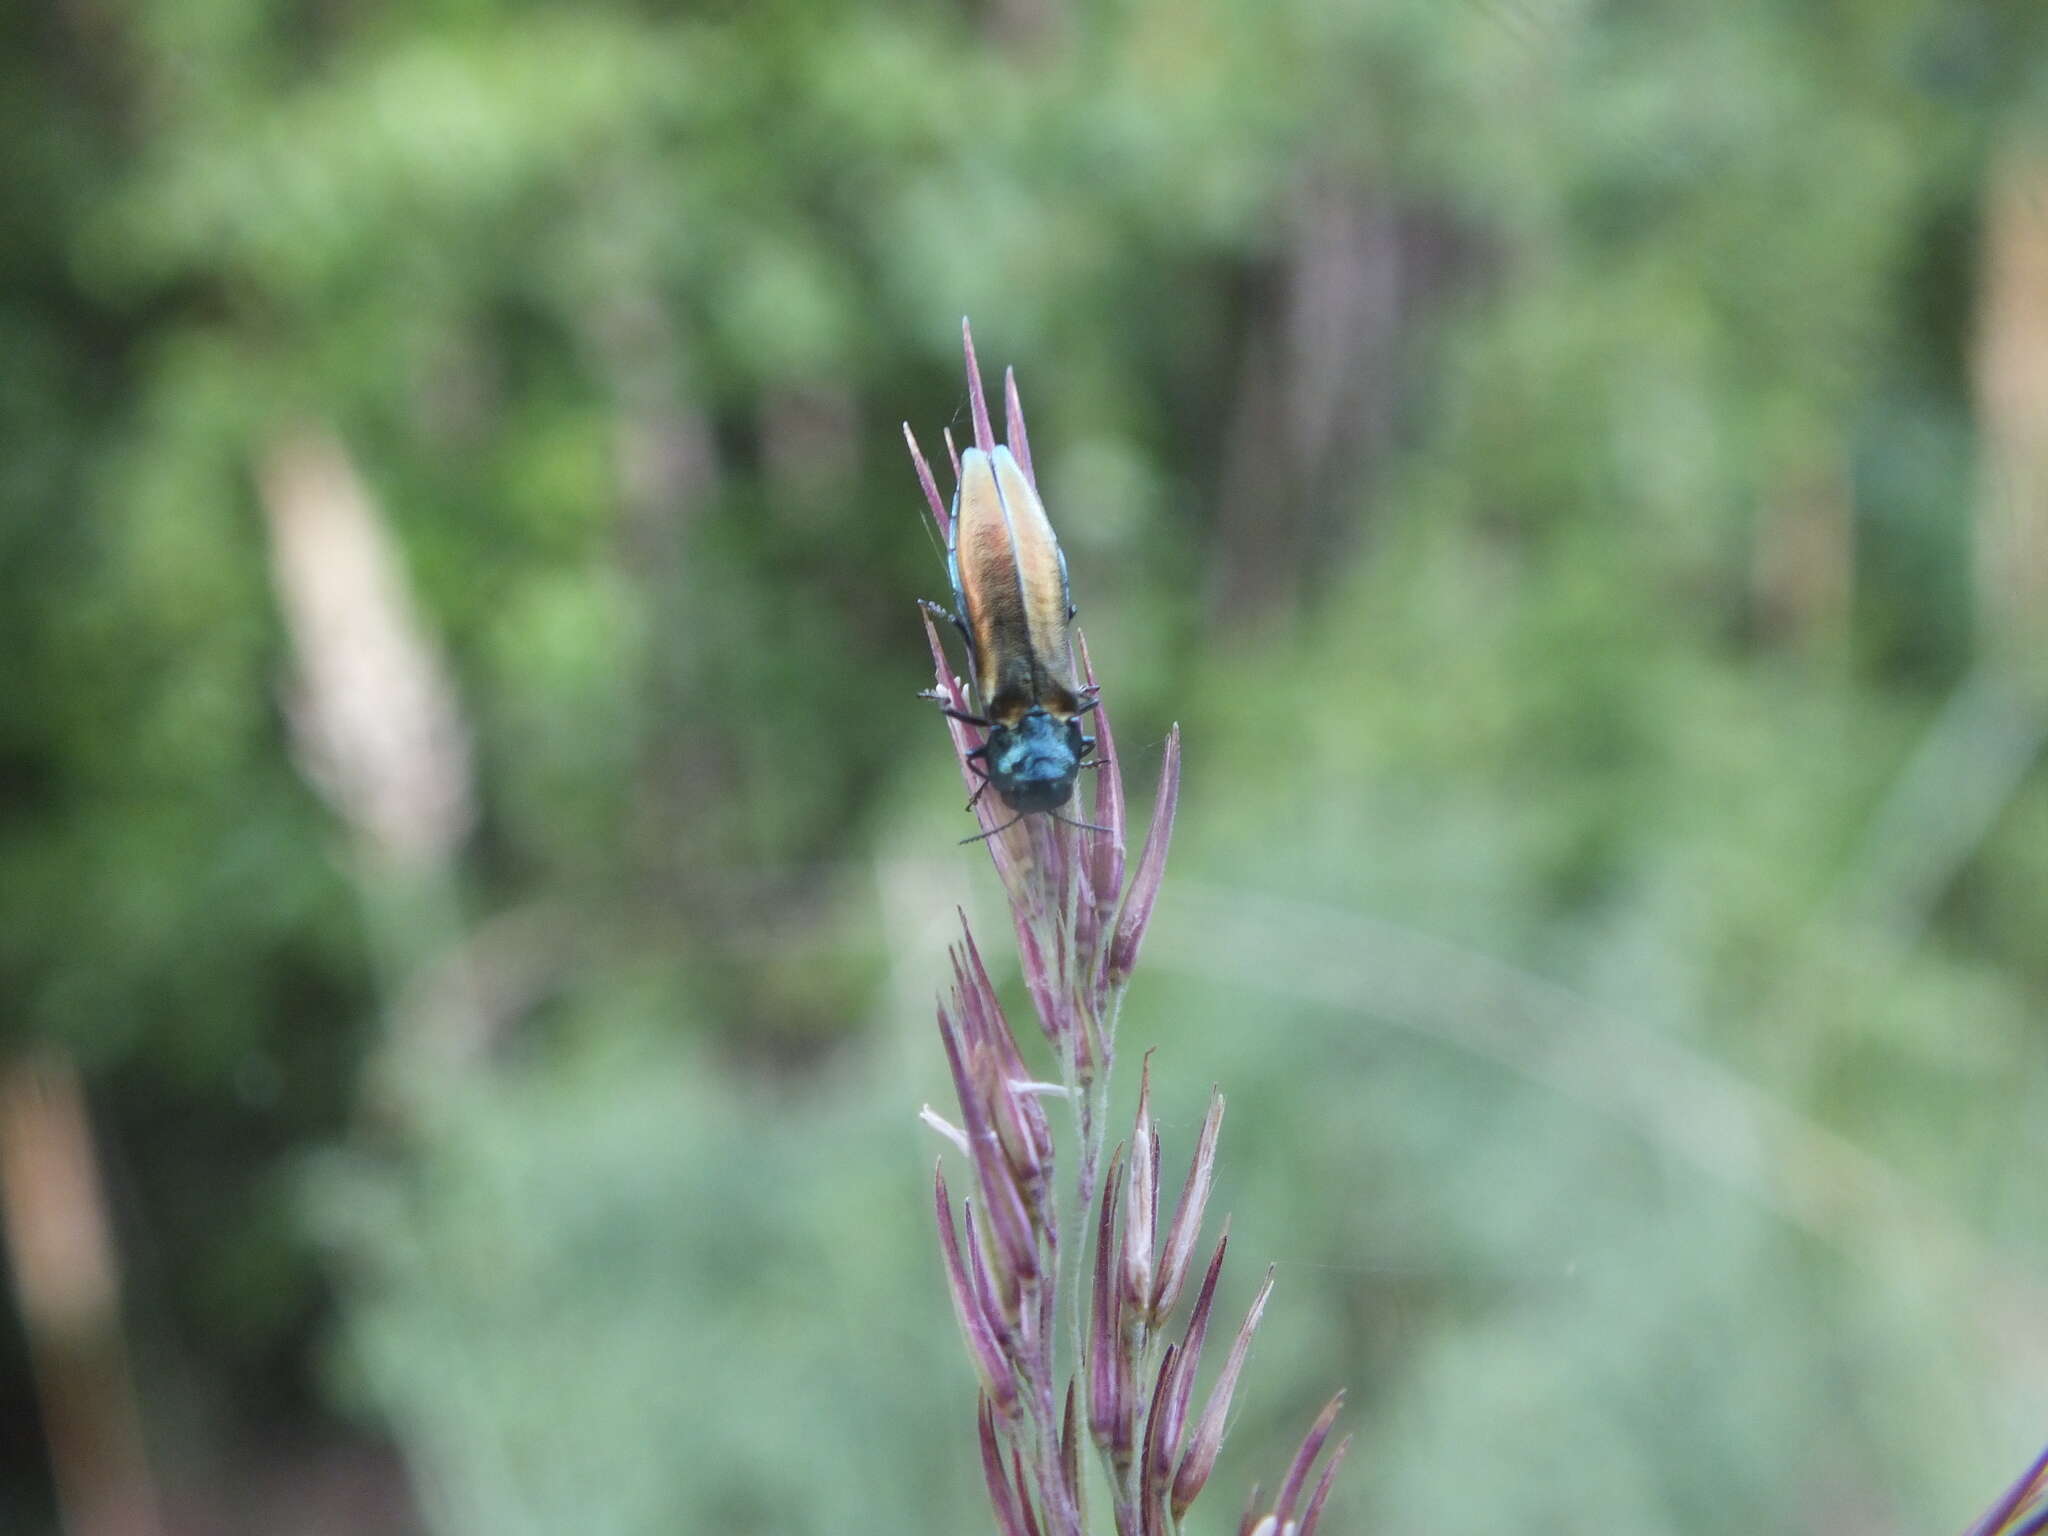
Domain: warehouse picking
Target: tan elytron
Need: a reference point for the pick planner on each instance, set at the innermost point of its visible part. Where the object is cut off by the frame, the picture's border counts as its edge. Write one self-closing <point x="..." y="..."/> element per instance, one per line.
<point x="1010" y="581"/>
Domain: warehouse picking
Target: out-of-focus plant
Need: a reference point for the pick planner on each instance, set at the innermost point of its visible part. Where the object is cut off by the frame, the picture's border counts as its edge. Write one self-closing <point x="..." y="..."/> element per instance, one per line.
<point x="1012" y="1261"/>
<point x="2022" y="1510"/>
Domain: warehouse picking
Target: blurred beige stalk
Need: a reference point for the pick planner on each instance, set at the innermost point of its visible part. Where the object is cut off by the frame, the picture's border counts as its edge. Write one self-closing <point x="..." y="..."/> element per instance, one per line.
<point x="69" y="1290"/>
<point x="377" y="725"/>
<point x="2011" y="371"/>
<point x="378" y="729"/>
<point x="1353" y="276"/>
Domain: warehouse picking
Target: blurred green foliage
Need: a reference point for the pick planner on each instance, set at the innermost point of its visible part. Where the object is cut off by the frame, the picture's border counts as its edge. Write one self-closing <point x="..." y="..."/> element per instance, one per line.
<point x="1417" y="388"/>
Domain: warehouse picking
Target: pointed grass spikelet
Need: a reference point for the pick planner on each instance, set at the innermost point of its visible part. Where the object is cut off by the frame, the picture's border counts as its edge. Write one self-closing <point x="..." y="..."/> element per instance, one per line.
<point x="1192" y="1475"/>
<point x="1010" y="1499"/>
<point x="1186" y="1228"/>
<point x="1141" y="1205"/>
<point x="1111" y="1409"/>
<point x="1080" y="913"/>
<point x="2022" y="1510"/>
<point x="1281" y="1519"/>
<point x="983" y="1333"/>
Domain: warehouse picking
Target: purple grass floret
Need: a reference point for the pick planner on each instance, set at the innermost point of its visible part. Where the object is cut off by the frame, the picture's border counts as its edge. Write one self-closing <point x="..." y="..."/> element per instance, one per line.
<point x="1011" y="1502"/>
<point x="1200" y="1458"/>
<point x="1136" y="913"/>
<point x="1002" y="1325"/>
<point x="1013" y="414"/>
<point x="1280" y="1519"/>
<point x="1186" y="1228"/>
<point x="984" y="434"/>
<point x="1141" y="1203"/>
<point x="1106" y="870"/>
<point x="1071" y="1340"/>
<point x="2022" y="1510"/>
<point x="1156" y="1462"/>
<point x="942" y="515"/>
<point x="1110" y="1409"/>
<point x="1305" y="1460"/>
<point x="1191" y="1355"/>
<point x="1312" y="1517"/>
<point x="984" y="1346"/>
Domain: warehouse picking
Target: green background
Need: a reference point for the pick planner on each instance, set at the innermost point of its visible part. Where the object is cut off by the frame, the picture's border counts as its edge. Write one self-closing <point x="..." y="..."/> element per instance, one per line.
<point x="1534" y="448"/>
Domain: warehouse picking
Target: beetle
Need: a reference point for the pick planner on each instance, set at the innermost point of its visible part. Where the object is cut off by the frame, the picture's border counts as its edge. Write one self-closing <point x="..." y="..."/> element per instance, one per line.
<point x="1013" y="606"/>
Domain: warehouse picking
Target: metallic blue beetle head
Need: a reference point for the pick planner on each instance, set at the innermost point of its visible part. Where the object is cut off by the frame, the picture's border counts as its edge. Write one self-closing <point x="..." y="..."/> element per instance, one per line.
<point x="1033" y="763"/>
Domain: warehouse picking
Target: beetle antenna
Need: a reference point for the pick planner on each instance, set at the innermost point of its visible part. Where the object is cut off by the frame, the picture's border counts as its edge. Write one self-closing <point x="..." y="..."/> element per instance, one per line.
<point x="992" y="831"/>
<point x="1085" y="826"/>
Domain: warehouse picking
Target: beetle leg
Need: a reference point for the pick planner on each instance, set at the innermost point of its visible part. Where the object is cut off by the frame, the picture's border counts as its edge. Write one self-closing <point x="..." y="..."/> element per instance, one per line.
<point x="966" y="719"/>
<point x="981" y="789"/>
<point x="949" y="616"/>
<point x="1087" y="704"/>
